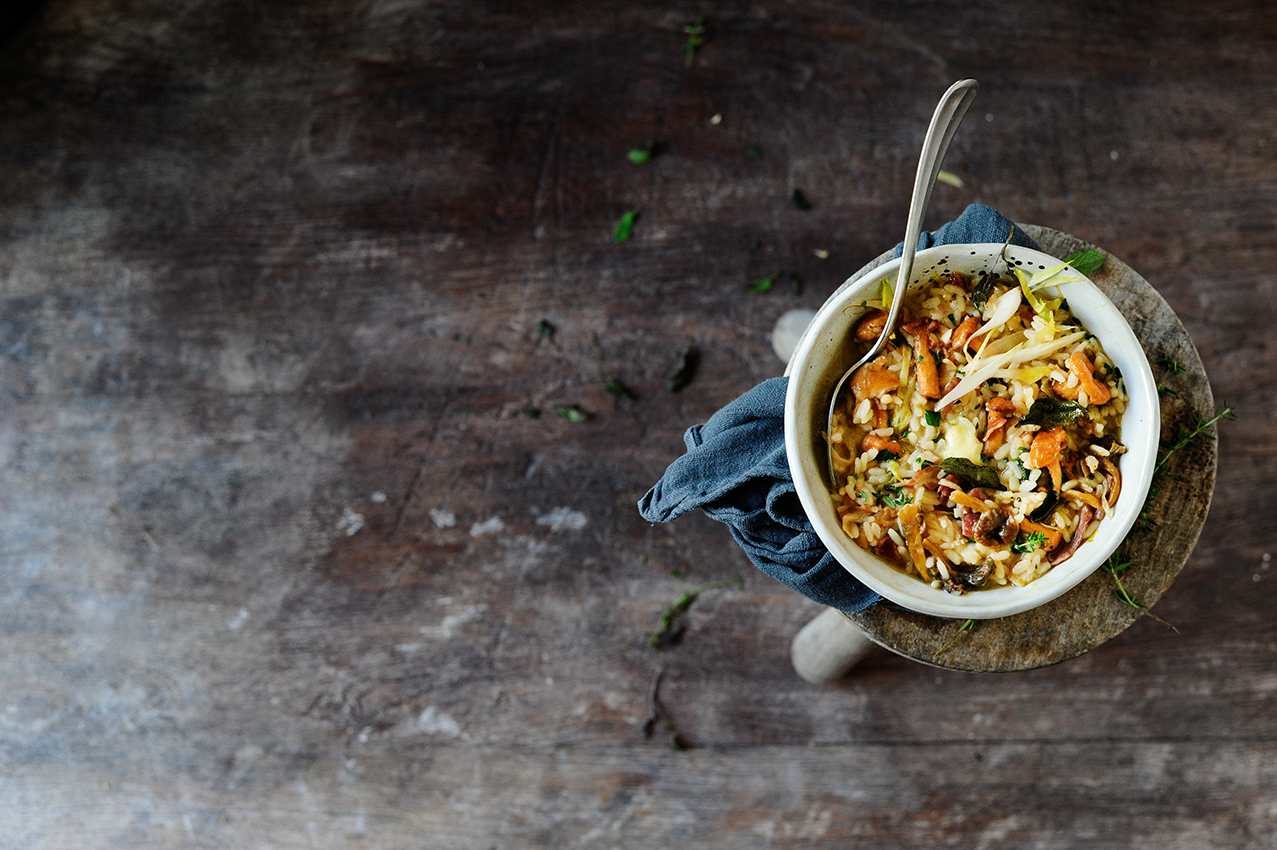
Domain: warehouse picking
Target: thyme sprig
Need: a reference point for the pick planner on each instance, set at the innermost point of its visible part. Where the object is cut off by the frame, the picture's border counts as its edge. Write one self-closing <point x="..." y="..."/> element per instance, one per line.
<point x="1030" y="543"/>
<point x="1115" y="566"/>
<point x="660" y="637"/>
<point x="1224" y="412"/>
<point x="1118" y="563"/>
<point x="969" y="625"/>
<point x="695" y="38"/>
<point x="660" y="715"/>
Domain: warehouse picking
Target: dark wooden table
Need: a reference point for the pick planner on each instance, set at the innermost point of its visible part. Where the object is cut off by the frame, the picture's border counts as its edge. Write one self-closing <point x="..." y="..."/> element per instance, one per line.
<point x="295" y="550"/>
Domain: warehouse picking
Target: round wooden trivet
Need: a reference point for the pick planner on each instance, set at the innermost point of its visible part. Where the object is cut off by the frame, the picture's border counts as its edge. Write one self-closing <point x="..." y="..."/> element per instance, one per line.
<point x="1091" y="613"/>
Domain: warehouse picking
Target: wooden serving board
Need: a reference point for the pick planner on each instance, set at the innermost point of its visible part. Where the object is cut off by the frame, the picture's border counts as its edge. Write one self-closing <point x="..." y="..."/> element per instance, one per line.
<point x="1091" y="613"/>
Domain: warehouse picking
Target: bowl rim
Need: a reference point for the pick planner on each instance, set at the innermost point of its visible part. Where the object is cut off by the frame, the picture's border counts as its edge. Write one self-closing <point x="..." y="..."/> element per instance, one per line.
<point x="1141" y="427"/>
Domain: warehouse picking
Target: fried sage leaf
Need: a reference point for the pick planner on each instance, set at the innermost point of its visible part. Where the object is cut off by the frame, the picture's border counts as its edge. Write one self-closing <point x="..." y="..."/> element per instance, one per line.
<point x="1053" y="412"/>
<point x="983" y="289"/>
<point x="973" y="474"/>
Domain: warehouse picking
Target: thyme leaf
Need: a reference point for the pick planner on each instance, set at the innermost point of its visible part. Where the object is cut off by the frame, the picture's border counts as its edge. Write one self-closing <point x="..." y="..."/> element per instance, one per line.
<point x="894" y="497"/>
<point x="571" y="412"/>
<point x="625" y="227"/>
<point x="619" y="390"/>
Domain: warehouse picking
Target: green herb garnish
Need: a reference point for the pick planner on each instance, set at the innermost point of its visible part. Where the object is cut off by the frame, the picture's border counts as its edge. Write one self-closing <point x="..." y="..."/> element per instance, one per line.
<point x="695" y="38"/>
<point x="1164" y="455"/>
<point x="1053" y="412"/>
<point x="638" y="156"/>
<point x="1116" y="566"/>
<point x="972" y="473"/>
<point x="658" y="638"/>
<point x="545" y="329"/>
<point x="1226" y="412"/>
<point x="894" y="497"/>
<point x="619" y="390"/>
<point x="763" y="284"/>
<point x="884" y="455"/>
<point x="625" y="227"/>
<point x="798" y="200"/>
<point x="1173" y="366"/>
<point x="969" y="625"/>
<point x="571" y="412"/>
<point x="1118" y="563"/>
<point x="660" y="715"/>
<point x="682" y="376"/>
<point x="1085" y="261"/>
<point x="1030" y="543"/>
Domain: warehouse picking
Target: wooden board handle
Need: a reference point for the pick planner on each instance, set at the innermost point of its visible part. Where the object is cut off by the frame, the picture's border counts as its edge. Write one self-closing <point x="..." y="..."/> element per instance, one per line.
<point x="828" y="647"/>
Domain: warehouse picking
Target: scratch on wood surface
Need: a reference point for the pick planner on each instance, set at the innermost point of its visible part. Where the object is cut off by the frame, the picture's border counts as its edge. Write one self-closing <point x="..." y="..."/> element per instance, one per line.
<point x="421" y="470"/>
<point x="544" y="168"/>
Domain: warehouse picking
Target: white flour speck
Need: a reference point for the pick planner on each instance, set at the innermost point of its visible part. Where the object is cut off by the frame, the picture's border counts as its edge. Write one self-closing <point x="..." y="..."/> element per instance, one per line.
<point x="563" y="519"/>
<point x="350" y="522"/>
<point x="488" y="526"/>
<point x="442" y="518"/>
<point x="435" y="722"/>
<point x="452" y="622"/>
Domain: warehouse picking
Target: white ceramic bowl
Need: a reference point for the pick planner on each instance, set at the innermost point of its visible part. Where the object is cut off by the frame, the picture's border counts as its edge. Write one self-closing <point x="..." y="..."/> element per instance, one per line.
<point x="823" y="355"/>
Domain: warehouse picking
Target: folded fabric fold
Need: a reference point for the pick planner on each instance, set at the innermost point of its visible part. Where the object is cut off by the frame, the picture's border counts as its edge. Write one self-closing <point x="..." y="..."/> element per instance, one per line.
<point x="736" y="469"/>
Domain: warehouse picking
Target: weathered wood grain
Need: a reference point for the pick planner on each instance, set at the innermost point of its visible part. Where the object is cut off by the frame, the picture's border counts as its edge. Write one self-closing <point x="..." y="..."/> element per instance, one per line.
<point x="1000" y="794"/>
<point x="294" y="549"/>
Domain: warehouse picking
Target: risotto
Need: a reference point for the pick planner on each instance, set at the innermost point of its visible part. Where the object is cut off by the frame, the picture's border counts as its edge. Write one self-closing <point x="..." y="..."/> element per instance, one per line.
<point x="979" y="450"/>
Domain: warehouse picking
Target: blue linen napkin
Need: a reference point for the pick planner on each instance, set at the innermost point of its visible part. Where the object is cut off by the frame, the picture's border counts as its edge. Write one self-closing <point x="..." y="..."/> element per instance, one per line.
<point x="736" y="469"/>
